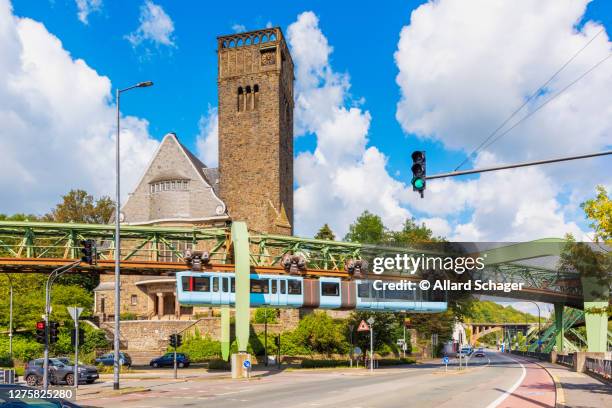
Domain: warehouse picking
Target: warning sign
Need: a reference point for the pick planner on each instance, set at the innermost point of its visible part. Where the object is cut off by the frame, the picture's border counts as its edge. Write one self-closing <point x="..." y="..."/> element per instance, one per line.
<point x="363" y="326"/>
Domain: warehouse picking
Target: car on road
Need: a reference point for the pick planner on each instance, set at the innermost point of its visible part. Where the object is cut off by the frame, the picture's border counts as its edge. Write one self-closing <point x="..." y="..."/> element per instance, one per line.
<point x="464" y="352"/>
<point x="59" y="373"/>
<point x="167" y="360"/>
<point x="479" y="352"/>
<point x="87" y="373"/>
<point x="109" y="358"/>
<point x="15" y="395"/>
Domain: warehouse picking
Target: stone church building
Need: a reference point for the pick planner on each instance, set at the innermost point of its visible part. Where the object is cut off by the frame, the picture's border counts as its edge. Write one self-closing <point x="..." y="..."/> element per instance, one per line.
<point x="254" y="180"/>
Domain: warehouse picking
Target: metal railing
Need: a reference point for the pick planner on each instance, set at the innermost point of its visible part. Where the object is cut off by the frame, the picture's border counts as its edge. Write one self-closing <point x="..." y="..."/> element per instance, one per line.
<point x="599" y="367"/>
<point x="533" y="354"/>
<point x="7" y="376"/>
<point x="566" y="359"/>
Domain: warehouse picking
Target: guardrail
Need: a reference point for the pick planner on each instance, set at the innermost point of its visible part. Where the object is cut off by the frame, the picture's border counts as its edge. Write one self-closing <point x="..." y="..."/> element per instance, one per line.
<point x="600" y="368"/>
<point x="532" y="354"/>
<point x="566" y="359"/>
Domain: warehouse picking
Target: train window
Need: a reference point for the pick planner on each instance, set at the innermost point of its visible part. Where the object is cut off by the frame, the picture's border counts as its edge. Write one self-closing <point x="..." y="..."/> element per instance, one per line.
<point x="283" y="287"/>
<point x="363" y="290"/>
<point x="295" y="287"/>
<point x="260" y="286"/>
<point x="274" y="283"/>
<point x="185" y="283"/>
<point x="233" y="285"/>
<point x="225" y="285"/>
<point x="201" y="284"/>
<point x="215" y="284"/>
<point x="330" y="289"/>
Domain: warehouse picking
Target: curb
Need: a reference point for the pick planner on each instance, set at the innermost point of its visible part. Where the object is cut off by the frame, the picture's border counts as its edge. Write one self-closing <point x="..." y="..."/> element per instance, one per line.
<point x="113" y="393"/>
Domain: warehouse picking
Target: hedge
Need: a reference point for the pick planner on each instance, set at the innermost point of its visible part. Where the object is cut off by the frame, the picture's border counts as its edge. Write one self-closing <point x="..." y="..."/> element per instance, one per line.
<point x="324" y="363"/>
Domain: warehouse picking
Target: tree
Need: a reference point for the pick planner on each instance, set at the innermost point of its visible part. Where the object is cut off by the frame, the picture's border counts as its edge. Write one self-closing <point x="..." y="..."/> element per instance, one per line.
<point x="325" y="232"/>
<point x="79" y="206"/>
<point x="321" y="334"/>
<point x="385" y="330"/>
<point x="599" y="211"/>
<point x="367" y="229"/>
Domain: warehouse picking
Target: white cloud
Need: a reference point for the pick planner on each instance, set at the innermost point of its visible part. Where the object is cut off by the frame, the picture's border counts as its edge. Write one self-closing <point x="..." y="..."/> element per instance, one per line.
<point x="465" y="66"/>
<point x="269" y="24"/>
<point x="239" y="28"/>
<point x="86" y="7"/>
<point x="343" y="176"/>
<point x="57" y="118"/>
<point x="155" y="26"/>
<point x="208" y="138"/>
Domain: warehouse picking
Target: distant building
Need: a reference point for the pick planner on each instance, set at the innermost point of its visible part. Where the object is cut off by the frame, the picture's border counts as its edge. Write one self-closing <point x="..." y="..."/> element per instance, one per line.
<point x="254" y="181"/>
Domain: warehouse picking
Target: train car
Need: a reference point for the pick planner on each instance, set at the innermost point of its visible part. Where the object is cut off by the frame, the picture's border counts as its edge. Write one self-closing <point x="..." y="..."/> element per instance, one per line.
<point x="281" y="291"/>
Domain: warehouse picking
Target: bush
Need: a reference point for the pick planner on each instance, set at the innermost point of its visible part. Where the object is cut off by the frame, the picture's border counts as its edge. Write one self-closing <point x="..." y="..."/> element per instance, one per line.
<point x="395" y="361"/>
<point x="200" y="348"/>
<point x="218" y="364"/>
<point x="128" y="316"/>
<point x="262" y="314"/>
<point x="6" y="361"/>
<point x="25" y="348"/>
<point x="324" y="363"/>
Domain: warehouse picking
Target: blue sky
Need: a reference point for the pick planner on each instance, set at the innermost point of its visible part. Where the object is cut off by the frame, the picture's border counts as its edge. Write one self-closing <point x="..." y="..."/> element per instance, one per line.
<point x="362" y="62"/>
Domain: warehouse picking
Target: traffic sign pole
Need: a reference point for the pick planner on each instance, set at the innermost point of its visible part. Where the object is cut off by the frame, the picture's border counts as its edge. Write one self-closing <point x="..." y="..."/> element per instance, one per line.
<point x="75" y="312"/>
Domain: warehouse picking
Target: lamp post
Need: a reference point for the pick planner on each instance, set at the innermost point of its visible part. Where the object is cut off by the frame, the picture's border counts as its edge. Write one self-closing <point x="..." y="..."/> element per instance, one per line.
<point x="539" y="323"/>
<point x="10" y="316"/>
<point x="117" y="236"/>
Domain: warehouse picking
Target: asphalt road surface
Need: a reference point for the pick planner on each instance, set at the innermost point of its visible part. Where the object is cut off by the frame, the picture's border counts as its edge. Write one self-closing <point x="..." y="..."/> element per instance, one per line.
<point x="494" y="381"/>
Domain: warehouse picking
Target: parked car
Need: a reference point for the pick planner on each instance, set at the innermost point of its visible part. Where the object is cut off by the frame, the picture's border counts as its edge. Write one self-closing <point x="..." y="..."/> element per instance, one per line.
<point x="87" y="373"/>
<point x="108" y="359"/>
<point x="59" y="373"/>
<point x="8" y="392"/>
<point x="464" y="351"/>
<point x="167" y="360"/>
<point x="479" y="352"/>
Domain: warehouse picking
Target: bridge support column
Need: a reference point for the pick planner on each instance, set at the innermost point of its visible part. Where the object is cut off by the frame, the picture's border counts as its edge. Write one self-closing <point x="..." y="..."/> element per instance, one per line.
<point x="596" y="296"/>
<point x="559" y="326"/>
<point x="240" y="243"/>
<point x="225" y="331"/>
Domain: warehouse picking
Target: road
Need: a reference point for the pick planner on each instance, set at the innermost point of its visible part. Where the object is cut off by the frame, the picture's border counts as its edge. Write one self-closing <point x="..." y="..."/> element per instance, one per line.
<point x="495" y="381"/>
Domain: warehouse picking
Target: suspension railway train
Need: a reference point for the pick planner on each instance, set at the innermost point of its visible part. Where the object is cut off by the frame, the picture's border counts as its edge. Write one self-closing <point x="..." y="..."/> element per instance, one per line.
<point x="281" y="291"/>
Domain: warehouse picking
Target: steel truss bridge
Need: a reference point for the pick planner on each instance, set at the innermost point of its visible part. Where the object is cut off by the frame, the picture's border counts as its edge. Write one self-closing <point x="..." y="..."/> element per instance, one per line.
<point x="38" y="247"/>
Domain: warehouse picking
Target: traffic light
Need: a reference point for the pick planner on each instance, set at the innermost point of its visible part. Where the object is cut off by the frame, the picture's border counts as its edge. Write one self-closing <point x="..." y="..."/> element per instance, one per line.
<point x="40" y="332"/>
<point x="418" y="171"/>
<point x="88" y="251"/>
<point x="53" y="332"/>
<point x="73" y="337"/>
<point x="175" y="340"/>
<point x="179" y="340"/>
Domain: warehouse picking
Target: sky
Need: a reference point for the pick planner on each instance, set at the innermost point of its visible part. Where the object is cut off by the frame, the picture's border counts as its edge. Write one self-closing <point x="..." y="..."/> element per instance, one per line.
<point x="372" y="84"/>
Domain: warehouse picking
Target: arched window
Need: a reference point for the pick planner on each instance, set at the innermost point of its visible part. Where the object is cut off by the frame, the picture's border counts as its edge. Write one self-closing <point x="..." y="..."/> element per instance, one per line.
<point x="231" y="44"/>
<point x="239" y="43"/>
<point x="248" y="41"/>
<point x="264" y="38"/>
<point x="249" y="98"/>
<point x="256" y="40"/>
<point x="255" y="96"/>
<point x="272" y="37"/>
<point x="240" y="100"/>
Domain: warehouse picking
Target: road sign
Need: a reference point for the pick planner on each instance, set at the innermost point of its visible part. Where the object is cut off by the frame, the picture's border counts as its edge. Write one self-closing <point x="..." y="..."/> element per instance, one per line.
<point x="357" y="351"/>
<point x="246" y="364"/>
<point x="75" y="312"/>
<point x="371" y="320"/>
<point x="363" y="326"/>
<point x="445" y="360"/>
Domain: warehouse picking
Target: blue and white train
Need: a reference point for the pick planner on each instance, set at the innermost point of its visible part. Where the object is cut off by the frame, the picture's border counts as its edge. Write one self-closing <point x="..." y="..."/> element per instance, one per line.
<point x="282" y="291"/>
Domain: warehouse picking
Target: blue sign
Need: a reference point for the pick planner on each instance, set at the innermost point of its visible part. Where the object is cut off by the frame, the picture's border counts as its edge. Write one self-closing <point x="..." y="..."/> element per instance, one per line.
<point x="445" y="360"/>
<point x="246" y="364"/>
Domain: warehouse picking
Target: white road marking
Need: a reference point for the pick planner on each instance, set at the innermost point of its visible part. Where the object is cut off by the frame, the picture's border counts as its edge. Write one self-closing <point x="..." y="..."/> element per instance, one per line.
<point x="506" y="394"/>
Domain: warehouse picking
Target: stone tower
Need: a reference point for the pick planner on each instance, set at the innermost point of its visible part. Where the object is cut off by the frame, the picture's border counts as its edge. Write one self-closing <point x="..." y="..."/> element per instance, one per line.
<point x="255" y="83"/>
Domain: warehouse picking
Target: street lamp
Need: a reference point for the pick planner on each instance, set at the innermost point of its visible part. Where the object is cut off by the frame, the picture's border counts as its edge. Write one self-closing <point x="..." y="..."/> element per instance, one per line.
<point x="117" y="236"/>
<point x="539" y="323"/>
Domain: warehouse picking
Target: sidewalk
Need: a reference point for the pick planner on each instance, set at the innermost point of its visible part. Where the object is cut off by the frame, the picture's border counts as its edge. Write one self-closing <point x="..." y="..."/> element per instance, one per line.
<point x="578" y="389"/>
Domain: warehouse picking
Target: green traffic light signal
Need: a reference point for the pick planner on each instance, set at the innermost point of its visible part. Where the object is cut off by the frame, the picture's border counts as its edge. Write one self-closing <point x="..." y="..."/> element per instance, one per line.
<point x="418" y="183"/>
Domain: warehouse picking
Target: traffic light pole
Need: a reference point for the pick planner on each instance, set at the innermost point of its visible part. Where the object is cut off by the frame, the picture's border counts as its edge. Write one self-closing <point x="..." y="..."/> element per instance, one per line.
<point x="513" y="166"/>
<point x="52" y="276"/>
<point x="175" y="344"/>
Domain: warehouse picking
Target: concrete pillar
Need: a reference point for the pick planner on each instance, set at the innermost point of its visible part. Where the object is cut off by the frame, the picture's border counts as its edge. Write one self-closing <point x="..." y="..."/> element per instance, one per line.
<point x="160" y="305"/>
<point x="225" y="331"/>
<point x="596" y="296"/>
<point x="559" y="327"/>
<point x="177" y="308"/>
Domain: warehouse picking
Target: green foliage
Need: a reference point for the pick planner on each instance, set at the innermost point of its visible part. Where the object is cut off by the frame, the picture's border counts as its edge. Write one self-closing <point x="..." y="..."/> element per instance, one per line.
<point x="321" y="334"/>
<point x="81" y="207"/>
<point x="367" y="229"/>
<point x="386" y="330"/>
<point x="19" y="217"/>
<point x="395" y="361"/>
<point x="599" y="211"/>
<point x="24" y="347"/>
<point x="491" y="312"/>
<point x="262" y="314"/>
<point x="128" y="316"/>
<point x="325" y="232"/>
<point x="200" y="348"/>
<point x="412" y="233"/>
<point x="218" y="364"/>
